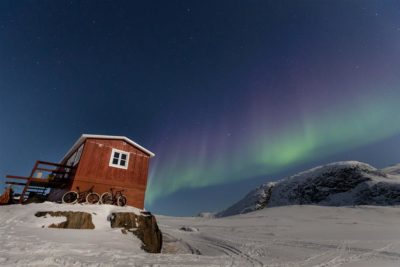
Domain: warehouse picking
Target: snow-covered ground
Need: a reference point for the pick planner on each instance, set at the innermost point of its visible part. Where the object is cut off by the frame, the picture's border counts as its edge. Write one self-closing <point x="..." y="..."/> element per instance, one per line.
<point x="296" y="236"/>
<point x="280" y="236"/>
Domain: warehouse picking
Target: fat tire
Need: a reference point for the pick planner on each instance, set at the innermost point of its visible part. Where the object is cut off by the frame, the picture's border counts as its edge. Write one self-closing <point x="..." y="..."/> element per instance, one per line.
<point x="71" y="197"/>
<point x="92" y="198"/>
<point x="106" y="198"/>
<point x="121" y="201"/>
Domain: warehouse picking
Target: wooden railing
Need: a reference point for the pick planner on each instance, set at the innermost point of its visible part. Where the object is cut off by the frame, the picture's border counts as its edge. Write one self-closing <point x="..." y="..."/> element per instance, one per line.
<point x="44" y="175"/>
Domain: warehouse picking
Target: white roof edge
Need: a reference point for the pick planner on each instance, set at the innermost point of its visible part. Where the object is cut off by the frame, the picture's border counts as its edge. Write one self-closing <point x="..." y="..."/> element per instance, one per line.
<point x="83" y="137"/>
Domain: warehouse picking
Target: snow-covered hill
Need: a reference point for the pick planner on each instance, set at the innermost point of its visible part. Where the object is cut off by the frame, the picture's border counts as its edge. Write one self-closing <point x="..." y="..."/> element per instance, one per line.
<point x="336" y="184"/>
<point x="394" y="170"/>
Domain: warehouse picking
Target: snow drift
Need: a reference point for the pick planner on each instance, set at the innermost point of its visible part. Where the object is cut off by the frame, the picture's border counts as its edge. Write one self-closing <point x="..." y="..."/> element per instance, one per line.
<point x="337" y="184"/>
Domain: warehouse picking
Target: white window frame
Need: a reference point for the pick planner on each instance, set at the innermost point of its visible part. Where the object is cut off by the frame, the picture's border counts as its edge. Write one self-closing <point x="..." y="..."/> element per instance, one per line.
<point x="121" y="152"/>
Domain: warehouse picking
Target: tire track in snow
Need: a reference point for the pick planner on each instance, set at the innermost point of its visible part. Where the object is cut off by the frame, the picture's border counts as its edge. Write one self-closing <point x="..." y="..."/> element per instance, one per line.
<point x="335" y="255"/>
<point x="340" y="260"/>
<point x="232" y="250"/>
<point x="171" y="239"/>
<point x="238" y="257"/>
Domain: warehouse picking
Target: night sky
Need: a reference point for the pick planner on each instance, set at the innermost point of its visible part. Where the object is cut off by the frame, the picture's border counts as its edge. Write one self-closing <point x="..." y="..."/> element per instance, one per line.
<point x="227" y="94"/>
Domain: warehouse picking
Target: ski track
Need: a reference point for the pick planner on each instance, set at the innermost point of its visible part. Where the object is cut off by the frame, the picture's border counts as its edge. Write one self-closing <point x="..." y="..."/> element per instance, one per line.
<point x="233" y="251"/>
<point x="340" y="259"/>
<point x="363" y="236"/>
<point x="195" y="244"/>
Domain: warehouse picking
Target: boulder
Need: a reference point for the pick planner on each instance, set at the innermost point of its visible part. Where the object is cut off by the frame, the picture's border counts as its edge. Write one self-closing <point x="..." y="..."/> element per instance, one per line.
<point x="143" y="226"/>
<point x="75" y="219"/>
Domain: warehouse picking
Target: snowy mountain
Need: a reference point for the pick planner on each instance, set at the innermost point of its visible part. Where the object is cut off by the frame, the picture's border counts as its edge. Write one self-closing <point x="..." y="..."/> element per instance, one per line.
<point x="337" y="184"/>
<point x="394" y="170"/>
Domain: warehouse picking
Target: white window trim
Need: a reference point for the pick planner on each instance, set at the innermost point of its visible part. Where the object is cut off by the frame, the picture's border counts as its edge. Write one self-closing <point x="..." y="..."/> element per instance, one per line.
<point x="117" y="165"/>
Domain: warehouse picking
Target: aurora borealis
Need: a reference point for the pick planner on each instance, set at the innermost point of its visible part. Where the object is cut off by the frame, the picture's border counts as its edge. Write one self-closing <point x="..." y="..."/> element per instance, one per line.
<point x="262" y="151"/>
<point x="335" y="88"/>
<point x="227" y="94"/>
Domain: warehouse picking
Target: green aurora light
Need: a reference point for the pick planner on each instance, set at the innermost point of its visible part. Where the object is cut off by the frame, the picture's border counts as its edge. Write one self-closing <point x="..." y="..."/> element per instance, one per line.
<point x="340" y="128"/>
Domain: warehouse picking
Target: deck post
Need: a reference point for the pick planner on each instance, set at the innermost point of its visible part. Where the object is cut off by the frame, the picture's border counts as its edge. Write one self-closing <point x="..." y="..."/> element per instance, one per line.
<point x="21" y="199"/>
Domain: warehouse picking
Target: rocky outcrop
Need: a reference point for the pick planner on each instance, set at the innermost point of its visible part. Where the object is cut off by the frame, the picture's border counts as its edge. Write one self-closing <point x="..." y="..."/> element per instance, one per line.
<point x="74" y="219"/>
<point x="255" y="200"/>
<point x="143" y="226"/>
<point x="336" y="184"/>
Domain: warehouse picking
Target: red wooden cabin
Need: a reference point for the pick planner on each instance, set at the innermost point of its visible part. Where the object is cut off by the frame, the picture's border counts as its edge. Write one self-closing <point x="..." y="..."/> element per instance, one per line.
<point x="101" y="161"/>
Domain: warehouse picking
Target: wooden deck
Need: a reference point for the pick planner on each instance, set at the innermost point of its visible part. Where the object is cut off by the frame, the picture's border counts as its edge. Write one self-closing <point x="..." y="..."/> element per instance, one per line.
<point x="44" y="175"/>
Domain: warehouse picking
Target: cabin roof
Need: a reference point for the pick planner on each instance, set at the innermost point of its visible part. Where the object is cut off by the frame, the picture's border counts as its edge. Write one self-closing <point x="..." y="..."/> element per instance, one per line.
<point x="113" y="137"/>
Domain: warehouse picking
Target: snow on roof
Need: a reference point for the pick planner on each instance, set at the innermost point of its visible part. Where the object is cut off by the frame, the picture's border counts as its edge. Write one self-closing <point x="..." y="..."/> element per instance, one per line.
<point x="96" y="136"/>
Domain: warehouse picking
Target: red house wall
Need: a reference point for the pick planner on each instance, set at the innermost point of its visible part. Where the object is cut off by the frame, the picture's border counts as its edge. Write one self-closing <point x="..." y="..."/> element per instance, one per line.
<point x="93" y="169"/>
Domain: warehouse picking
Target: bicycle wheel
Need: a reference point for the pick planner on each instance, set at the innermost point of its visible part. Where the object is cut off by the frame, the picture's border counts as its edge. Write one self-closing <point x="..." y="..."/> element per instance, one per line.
<point x="92" y="198"/>
<point x="106" y="198"/>
<point x="71" y="197"/>
<point x="121" y="200"/>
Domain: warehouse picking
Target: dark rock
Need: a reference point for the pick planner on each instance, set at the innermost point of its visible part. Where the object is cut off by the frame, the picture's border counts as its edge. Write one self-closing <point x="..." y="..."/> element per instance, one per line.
<point x="127" y="220"/>
<point x="255" y="200"/>
<point x="263" y="200"/>
<point x="189" y="229"/>
<point x="75" y="219"/>
<point x="144" y="227"/>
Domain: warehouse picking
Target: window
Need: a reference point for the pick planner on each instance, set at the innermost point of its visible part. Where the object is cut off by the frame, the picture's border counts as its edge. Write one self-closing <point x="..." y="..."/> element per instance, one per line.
<point x="119" y="159"/>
